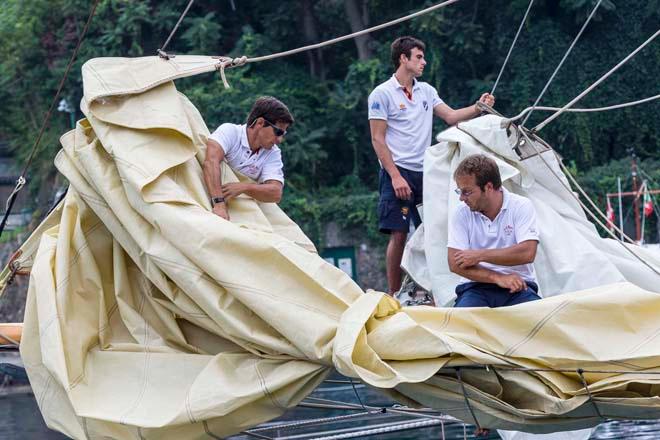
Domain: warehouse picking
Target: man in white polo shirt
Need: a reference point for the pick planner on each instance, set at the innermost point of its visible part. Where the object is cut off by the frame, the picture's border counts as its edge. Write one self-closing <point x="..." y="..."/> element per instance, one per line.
<point x="251" y="150"/>
<point x="492" y="239"/>
<point x="401" y="118"/>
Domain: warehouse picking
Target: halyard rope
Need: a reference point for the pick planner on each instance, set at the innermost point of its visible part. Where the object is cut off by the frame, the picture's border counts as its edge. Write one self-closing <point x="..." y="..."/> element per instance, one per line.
<point x="161" y="51"/>
<point x="594" y="85"/>
<point x="522" y="23"/>
<point x="570" y="48"/>
<point x="584" y="207"/>
<point x="585" y="110"/>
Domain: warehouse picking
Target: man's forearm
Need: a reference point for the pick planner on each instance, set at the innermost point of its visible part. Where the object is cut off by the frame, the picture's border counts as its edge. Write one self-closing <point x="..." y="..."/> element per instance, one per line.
<point x="264" y="192"/>
<point x="213" y="178"/>
<point x="385" y="157"/>
<point x="463" y="114"/>
<point x="477" y="273"/>
<point x="521" y="253"/>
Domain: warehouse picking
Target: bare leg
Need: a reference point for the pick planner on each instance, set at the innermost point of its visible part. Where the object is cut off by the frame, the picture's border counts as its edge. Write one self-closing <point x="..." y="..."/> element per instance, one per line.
<point x="393" y="260"/>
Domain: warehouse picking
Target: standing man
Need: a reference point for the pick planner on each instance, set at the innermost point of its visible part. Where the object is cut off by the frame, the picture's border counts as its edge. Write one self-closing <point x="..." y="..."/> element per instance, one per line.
<point x="492" y="239"/>
<point x="401" y="118"/>
<point x="251" y="150"/>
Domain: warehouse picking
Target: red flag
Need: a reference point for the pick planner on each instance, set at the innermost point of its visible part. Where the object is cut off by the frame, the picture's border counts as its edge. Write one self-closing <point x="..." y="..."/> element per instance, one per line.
<point x="648" y="204"/>
<point x="610" y="215"/>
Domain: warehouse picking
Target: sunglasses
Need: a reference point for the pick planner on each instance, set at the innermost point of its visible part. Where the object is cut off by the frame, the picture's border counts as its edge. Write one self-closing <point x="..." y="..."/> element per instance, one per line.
<point x="277" y="130"/>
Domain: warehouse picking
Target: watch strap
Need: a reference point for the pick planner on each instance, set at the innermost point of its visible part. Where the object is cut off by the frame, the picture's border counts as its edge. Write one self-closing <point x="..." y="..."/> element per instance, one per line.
<point x="216" y="200"/>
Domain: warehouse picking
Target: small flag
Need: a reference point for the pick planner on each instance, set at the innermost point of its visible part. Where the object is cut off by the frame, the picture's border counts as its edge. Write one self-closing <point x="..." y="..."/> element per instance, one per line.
<point x="648" y="204"/>
<point x="610" y="215"/>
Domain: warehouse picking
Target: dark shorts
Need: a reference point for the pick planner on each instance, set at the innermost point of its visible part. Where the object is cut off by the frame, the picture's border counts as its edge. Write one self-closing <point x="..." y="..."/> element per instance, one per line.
<point x="396" y="214"/>
<point x="491" y="295"/>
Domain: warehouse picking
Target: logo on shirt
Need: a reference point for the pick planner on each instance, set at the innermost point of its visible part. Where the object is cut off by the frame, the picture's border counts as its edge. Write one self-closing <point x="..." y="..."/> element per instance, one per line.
<point x="375" y="106"/>
<point x="402" y="106"/>
<point x="426" y="105"/>
<point x="508" y="230"/>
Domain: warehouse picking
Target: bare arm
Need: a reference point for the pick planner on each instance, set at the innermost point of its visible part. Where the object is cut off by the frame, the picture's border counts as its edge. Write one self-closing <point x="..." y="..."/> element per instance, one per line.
<point x="268" y="191"/>
<point x="453" y="117"/>
<point x="474" y="273"/>
<point x="378" y="128"/>
<point x="521" y="253"/>
<point x="480" y="274"/>
<point x="213" y="175"/>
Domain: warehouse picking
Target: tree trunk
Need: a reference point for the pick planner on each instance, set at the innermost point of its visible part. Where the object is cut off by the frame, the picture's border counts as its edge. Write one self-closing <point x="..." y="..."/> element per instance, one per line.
<point x="358" y="20"/>
<point x="310" y="32"/>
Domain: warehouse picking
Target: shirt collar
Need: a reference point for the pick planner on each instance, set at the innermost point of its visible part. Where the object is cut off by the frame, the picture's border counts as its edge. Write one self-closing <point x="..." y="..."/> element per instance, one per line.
<point x="505" y="199"/>
<point x="397" y="85"/>
<point x="244" y="139"/>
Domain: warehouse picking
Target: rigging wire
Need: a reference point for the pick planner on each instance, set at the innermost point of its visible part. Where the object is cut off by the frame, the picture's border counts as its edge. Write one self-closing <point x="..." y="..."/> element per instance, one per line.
<point x="21" y="180"/>
<point x="584" y="207"/>
<point x="506" y="59"/>
<point x="161" y="51"/>
<point x="353" y="35"/>
<point x="570" y="48"/>
<point x="586" y="110"/>
<point x="594" y="85"/>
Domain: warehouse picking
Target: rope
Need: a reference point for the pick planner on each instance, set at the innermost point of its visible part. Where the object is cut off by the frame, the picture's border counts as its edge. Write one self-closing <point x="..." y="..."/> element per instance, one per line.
<point x="20" y="183"/>
<point x="467" y="401"/>
<point x="311" y="422"/>
<point x="356" y="393"/>
<point x="12" y="197"/>
<point x="591" y="399"/>
<point x="555" y="370"/>
<point x="577" y="37"/>
<point x="161" y="52"/>
<point x="586" y="110"/>
<point x="531" y="2"/>
<point x="353" y="35"/>
<point x="594" y="85"/>
<point x="593" y="216"/>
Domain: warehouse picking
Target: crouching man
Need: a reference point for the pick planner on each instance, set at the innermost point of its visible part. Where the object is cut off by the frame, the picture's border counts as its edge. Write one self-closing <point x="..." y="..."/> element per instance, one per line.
<point x="250" y="149"/>
<point x="492" y="239"/>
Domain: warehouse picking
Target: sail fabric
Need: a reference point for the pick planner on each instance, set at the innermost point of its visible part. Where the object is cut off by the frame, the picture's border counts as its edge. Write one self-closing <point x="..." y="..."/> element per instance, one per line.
<point x="150" y="317"/>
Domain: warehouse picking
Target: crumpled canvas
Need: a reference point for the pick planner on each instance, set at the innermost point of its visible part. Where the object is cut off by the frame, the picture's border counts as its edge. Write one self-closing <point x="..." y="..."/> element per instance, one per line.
<point x="150" y="317"/>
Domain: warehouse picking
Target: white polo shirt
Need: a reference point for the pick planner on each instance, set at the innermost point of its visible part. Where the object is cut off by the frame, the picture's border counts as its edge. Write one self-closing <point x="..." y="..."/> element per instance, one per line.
<point x="515" y="223"/>
<point x="409" y="121"/>
<point x="261" y="166"/>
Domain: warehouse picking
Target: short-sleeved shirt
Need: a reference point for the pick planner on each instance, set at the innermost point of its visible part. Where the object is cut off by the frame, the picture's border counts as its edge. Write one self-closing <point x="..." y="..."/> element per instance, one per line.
<point x="265" y="164"/>
<point x="409" y="121"/>
<point x="515" y="223"/>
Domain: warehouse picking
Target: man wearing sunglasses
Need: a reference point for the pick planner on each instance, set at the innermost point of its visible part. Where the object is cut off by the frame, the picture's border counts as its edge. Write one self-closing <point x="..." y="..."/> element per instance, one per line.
<point x="492" y="239"/>
<point x="401" y="114"/>
<point x="249" y="149"/>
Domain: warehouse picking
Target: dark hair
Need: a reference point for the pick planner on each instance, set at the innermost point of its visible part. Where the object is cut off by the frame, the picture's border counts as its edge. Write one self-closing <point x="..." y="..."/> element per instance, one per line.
<point x="271" y="109"/>
<point x="403" y="45"/>
<point x="483" y="168"/>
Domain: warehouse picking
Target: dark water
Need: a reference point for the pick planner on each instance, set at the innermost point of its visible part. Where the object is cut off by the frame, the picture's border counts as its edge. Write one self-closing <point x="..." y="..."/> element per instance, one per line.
<point x="20" y="419"/>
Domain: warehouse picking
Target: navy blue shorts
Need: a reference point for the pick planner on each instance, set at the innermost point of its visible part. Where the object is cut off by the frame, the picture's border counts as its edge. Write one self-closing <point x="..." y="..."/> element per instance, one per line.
<point x="396" y="214"/>
<point x="491" y="295"/>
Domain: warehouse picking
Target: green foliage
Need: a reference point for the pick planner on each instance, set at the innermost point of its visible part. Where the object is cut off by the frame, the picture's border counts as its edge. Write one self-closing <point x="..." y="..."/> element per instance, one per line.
<point x="330" y="166"/>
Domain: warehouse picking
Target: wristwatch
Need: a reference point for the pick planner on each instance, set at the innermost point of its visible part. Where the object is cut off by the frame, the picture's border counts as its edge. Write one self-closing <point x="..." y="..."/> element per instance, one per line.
<point x="216" y="200"/>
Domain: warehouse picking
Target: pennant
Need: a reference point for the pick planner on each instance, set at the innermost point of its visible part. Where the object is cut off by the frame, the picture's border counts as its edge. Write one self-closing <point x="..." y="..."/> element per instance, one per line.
<point x="610" y="215"/>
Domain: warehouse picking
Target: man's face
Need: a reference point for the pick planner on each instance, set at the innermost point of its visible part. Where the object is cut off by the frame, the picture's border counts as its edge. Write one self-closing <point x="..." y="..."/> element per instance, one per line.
<point x="415" y="64"/>
<point x="474" y="197"/>
<point x="267" y="136"/>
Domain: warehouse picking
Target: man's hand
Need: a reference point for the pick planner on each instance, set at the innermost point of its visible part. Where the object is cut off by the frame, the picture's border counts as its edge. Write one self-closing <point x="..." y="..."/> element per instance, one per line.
<point x="231" y="190"/>
<point x="513" y="282"/>
<point x="467" y="258"/>
<point x="487" y="99"/>
<point x="401" y="188"/>
<point x="220" y="209"/>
